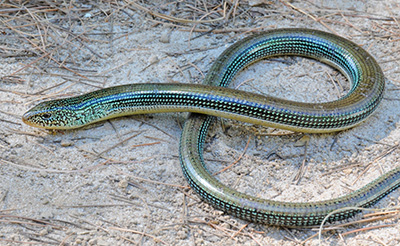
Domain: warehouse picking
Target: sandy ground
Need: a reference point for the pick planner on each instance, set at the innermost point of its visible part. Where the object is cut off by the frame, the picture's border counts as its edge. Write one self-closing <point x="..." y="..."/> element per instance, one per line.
<point x="119" y="182"/>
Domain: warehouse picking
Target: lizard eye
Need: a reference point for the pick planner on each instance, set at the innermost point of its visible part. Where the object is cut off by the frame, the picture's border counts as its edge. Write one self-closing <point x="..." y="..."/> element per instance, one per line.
<point x="46" y="116"/>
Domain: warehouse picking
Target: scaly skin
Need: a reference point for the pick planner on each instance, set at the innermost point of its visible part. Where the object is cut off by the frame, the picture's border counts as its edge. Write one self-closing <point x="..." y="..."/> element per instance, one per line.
<point x="212" y="99"/>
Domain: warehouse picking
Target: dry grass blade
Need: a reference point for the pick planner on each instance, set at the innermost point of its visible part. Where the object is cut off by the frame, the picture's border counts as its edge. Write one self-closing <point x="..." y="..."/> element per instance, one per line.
<point x="237" y="160"/>
<point x="174" y="19"/>
<point x="378" y="158"/>
<point x="46" y="33"/>
<point x="157" y="240"/>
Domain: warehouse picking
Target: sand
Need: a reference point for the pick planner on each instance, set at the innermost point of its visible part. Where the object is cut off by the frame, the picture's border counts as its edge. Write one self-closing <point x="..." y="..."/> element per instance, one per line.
<point x="119" y="182"/>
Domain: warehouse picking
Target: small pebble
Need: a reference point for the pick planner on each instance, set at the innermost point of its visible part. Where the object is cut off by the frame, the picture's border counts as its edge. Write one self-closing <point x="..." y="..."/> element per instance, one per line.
<point x="66" y="143"/>
<point x="181" y="235"/>
<point x="347" y="171"/>
<point x="123" y="183"/>
<point x="253" y="3"/>
<point x="164" y="37"/>
<point x="153" y="59"/>
<point x="225" y="225"/>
